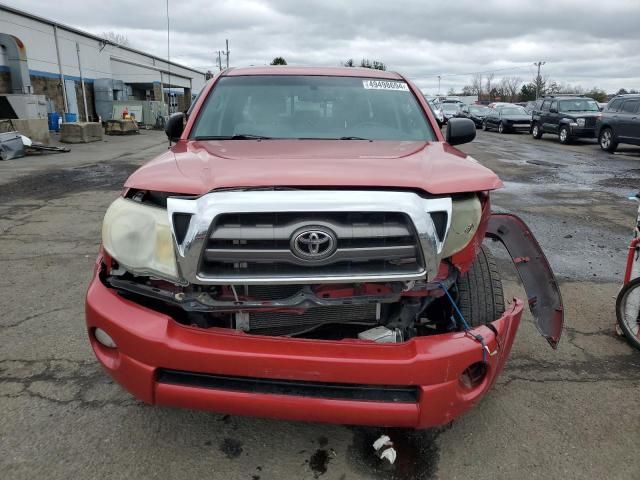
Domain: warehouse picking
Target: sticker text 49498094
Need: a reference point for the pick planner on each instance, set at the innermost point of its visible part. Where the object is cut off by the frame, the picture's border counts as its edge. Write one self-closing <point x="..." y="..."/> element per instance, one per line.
<point x="385" y="85"/>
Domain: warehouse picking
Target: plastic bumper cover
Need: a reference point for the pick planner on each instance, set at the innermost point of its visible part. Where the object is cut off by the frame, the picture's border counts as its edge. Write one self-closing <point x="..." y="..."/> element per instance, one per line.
<point x="148" y="341"/>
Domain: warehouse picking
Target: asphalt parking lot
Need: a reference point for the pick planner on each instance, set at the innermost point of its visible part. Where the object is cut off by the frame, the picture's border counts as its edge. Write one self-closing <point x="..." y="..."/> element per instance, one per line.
<point x="568" y="413"/>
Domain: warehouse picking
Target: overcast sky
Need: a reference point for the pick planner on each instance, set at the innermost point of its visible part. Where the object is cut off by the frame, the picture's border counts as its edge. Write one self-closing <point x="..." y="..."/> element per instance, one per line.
<point x="584" y="42"/>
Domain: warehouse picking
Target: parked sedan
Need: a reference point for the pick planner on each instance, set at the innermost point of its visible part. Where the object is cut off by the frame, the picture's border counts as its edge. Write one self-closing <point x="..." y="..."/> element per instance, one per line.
<point x="475" y="113"/>
<point x="450" y="110"/>
<point x="507" y="119"/>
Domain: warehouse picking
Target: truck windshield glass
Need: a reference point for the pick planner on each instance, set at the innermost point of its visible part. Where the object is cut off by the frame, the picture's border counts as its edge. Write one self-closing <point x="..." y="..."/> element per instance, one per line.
<point x="311" y="107"/>
<point x="578" y="105"/>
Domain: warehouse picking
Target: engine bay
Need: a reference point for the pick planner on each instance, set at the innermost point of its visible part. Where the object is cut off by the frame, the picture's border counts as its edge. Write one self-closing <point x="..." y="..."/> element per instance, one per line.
<point x="390" y="312"/>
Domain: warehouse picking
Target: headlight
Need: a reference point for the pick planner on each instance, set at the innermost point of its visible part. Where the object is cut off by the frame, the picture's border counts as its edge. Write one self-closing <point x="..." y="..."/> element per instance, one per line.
<point x="139" y="237"/>
<point x="465" y="218"/>
<point x="580" y="122"/>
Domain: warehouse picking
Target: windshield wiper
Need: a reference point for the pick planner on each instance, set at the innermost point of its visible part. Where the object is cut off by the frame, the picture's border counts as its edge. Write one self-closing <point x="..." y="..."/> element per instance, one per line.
<point x="354" y="138"/>
<point x="240" y="136"/>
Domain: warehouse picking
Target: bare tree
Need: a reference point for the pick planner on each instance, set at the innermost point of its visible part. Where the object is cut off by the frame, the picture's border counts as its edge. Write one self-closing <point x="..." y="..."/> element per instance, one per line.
<point x="490" y="77"/>
<point x="117" y="38"/>
<point x="349" y="63"/>
<point x="511" y="87"/>
<point x="476" y="84"/>
<point x="503" y="88"/>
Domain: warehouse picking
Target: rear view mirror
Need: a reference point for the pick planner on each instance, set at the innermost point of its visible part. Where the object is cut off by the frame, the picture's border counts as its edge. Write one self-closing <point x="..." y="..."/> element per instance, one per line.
<point x="175" y="126"/>
<point x="460" y="130"/>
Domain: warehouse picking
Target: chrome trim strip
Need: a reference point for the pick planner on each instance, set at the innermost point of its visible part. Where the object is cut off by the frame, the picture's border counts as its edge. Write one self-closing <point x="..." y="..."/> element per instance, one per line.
<point x="206" y="208"/>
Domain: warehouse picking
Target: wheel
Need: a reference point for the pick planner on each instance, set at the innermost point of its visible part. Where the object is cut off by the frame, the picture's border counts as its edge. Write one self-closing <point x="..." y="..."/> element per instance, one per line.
<point x="500" y="128"/>
<point x="606" y="141"/>
<point x="536" y="132"/>
<point x="484" y="126"/>
<point x="628" y="311"/>
<point x="564" y="135"/>
<point x="480" y="295"/>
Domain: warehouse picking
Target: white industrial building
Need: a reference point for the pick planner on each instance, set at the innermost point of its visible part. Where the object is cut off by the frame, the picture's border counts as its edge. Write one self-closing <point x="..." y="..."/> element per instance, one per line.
<point x="81" y="73"/>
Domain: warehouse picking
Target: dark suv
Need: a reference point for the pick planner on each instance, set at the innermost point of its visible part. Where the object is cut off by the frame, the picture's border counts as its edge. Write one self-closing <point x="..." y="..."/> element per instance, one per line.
<point x="619" y="122"/>
<point x="566" y="116"/>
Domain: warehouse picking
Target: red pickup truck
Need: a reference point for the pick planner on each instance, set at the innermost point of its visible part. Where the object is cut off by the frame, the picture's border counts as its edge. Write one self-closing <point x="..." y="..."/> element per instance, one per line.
<point x="311" y="248"/>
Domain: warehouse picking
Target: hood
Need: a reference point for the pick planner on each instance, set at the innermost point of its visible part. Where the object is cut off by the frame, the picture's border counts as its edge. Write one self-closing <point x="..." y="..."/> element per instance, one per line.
<point x="198" y="167"/>
<point x="588" y="114"/>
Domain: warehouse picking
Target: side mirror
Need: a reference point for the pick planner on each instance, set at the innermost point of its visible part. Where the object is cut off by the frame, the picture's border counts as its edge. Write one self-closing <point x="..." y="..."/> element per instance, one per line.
<point x="460" y="130"/>
<point x="174" y="126"/>
<point x="553" y="110"/>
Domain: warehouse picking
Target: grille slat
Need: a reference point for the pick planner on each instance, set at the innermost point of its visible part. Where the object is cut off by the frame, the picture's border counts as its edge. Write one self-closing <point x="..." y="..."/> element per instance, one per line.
<point x="231" y="255"/>
<point x="257" y="245"/>
<point x="283" y="232"/>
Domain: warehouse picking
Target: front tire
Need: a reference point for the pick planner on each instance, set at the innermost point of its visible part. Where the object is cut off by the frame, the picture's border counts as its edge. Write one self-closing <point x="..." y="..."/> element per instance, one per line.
<point x="564" y="136"/>
<point x="480" y="294"/>
<point x="628" y="311"/>
<point x="500" y="127"/>
<point x="536" y="131"/>
<point x="606" y="141"/>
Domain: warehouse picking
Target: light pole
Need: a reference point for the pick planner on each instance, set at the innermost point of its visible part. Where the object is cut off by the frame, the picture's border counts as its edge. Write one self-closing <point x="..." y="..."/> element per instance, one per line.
<point x="538" y="79"/>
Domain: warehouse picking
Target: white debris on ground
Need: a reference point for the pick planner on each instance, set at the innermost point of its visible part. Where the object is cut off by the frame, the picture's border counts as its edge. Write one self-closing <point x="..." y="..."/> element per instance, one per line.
<point x="384" y="449"/>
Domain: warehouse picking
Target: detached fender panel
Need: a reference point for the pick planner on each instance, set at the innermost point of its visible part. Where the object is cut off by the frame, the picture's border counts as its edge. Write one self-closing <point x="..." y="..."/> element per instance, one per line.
<point x="543" y="292"/>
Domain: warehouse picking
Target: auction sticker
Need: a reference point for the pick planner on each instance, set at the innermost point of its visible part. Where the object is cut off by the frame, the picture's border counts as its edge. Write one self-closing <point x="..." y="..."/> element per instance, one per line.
<point x="385" y="85"/>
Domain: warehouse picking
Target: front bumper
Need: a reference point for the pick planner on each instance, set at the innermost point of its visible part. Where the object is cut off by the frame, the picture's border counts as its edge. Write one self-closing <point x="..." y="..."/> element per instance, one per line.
<point x="150" y="343"/>
<point x="585" y="132"/>
<point x="520" y="127"/>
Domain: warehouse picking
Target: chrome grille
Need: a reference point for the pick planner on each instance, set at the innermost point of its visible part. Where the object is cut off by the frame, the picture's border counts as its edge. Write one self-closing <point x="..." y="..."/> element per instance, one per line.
<point x="258" y="245"/>
<point x="428" y="219"/>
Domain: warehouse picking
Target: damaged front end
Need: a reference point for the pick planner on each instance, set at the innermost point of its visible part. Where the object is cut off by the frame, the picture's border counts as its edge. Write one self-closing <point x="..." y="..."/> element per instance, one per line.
<point x="347" y="265"/>
<point x="202" y="303"/>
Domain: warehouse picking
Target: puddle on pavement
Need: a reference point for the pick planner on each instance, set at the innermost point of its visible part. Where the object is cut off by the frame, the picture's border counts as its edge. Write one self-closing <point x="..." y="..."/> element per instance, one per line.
<point x="231" y="447"/>
<point x="56" y="183"/>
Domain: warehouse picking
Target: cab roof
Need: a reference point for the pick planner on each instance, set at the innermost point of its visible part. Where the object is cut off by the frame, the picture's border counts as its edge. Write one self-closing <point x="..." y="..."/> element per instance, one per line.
<point x="313" y="71"/>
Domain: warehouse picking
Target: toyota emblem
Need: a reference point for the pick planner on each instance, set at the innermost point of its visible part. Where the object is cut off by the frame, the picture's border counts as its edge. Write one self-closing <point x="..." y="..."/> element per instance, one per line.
<point x="313" y="243"/>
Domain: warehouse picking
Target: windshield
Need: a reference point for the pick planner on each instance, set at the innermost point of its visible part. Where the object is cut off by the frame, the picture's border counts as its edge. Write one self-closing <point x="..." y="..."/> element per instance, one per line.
<point x="450" y="107"/>
<point x="311" y="107"/>
<point x="480" y="110"/>
<point x="578" y="105"/>
<point x="513" y="111"/>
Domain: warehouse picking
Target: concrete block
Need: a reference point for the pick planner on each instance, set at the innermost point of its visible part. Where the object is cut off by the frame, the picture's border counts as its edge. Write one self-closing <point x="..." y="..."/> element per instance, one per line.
<point x="121" y="127"/>
<point x="81" y="132"/>
<point x="37" y="129"/>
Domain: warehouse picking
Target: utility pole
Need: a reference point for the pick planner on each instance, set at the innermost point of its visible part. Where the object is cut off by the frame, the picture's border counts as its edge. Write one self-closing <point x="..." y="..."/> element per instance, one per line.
<point x="538" y="78"/>
<point x="227" y="52"/>
<point x="220" y="59"/>
<point x="438" y="85"/>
